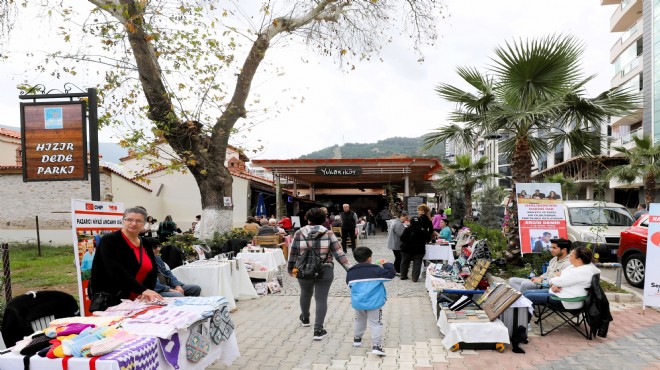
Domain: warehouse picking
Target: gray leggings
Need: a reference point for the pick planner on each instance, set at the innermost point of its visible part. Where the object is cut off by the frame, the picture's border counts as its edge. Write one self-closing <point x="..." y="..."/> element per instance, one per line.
<point x="322" y="287"/>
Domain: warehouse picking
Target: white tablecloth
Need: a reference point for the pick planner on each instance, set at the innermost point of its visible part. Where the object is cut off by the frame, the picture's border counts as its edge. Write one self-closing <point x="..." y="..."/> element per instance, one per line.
<point x="271" y="258"/>
<point x="228" y="279"/>
<point x="226" y="352"/>
<point x="479" y="332"/>
<point x="436" y="252"/>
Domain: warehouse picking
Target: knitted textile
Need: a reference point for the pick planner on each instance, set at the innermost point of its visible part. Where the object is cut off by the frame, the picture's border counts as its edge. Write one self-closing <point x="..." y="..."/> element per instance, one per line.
<point x="74" y="328"/>
<point x="221" y="325"/>
<point x="198" y="345"/>
<point x="140" y="354"/>
<point x="170" y="348"/>
<point x="37" y="343"/>
<point x="215" y="301"/>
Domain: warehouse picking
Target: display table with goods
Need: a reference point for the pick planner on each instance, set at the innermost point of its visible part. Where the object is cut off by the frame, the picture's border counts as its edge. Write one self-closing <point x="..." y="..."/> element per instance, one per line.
<point x="439" y="252"/>
<point x="271" y="258"/>
<point x="177" y="333"/>
<point x="228" y="278"/>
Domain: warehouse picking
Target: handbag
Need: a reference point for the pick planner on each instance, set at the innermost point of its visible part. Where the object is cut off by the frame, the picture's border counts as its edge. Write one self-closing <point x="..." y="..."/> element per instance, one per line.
<point x="197" y="346"/>
<point x="102" y="300"/>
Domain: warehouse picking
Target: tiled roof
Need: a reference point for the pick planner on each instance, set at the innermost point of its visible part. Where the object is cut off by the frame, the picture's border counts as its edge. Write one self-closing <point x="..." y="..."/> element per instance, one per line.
<point x="10" y="133"/>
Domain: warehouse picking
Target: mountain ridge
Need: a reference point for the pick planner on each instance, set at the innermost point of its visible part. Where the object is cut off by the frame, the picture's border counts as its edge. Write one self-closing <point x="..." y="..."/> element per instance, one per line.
<point x="396" y="146"/>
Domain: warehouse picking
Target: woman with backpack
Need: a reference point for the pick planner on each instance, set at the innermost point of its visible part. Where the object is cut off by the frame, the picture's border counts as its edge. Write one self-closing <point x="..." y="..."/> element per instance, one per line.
<point x="166" y="229"/>
<point x="311" y="261"/>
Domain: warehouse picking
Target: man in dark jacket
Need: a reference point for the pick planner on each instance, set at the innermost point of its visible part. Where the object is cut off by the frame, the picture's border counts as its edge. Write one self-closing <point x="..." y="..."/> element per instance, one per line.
<point x="349" y="222"/>
<point x="598" y="309"/>
<point x="413" y="248"/>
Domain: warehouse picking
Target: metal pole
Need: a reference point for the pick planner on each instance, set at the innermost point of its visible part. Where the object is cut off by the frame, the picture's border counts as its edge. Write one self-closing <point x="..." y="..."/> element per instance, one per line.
<point x="619" y="271"/>
<point x="38" y="238"/>
<point x="93" y="124"/>
<point x="6" y="271"/>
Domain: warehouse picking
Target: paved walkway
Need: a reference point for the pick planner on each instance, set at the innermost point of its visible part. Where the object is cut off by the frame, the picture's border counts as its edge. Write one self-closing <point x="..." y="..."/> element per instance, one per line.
<point x="270" y="335"/>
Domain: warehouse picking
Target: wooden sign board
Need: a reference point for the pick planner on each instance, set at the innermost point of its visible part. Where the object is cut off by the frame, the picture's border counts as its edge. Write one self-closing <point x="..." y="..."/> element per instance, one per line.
<point x="54" y="141"/>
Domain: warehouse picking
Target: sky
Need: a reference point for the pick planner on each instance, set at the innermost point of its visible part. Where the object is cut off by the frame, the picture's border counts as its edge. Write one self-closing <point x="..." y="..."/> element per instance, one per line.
<point x="379" y="99"/>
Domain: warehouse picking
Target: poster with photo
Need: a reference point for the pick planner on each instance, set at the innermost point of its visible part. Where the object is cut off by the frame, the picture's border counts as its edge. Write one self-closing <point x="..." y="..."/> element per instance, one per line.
<point x="540" y="216"/>
<point x="90" y="220"/>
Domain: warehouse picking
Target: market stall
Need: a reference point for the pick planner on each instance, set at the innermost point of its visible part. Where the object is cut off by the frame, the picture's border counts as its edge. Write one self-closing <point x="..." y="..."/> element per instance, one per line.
<point x="227" y="278"/>
<point x="116" y="339"/>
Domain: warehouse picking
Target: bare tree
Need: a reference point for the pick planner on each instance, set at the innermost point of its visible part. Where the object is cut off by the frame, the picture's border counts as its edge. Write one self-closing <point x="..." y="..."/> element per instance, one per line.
<point x="195" y="61"/>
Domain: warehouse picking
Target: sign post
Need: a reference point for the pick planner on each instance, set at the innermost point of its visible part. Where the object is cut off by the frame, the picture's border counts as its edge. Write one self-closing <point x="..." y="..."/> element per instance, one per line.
<point x="652" y="275"/>
<point x="540" y="216"/>
<point x="54" y="137"/>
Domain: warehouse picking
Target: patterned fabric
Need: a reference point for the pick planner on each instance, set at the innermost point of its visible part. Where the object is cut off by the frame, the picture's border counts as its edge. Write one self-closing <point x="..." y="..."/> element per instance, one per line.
<point x="178" y="319"/>
<point x="221" y="325"/>
<point x="198" y="345"/>
<point x="125" y="308"/>
<point x="140" y="354"/>
<point x="481" y="251"/>
<point x="215" y="301"/>
<point x="170" y="348"/>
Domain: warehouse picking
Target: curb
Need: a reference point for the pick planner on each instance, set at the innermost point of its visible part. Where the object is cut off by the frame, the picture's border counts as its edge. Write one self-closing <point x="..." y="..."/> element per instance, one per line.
<point x="637" y="296"/>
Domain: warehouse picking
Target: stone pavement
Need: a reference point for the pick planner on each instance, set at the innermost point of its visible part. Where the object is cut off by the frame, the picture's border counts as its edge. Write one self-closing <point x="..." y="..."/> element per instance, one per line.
<point x="270" y="335"/>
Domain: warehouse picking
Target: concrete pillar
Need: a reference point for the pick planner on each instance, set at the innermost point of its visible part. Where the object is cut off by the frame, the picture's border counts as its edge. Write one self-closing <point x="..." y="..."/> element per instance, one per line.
<point x="279" y="206"/>
<point x="312" y="192"/>
<point x="590" y="192"/>
<point x="406" y="186"/>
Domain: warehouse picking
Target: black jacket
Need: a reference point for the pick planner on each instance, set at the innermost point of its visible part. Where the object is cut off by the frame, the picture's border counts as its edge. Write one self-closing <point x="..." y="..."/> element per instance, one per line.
<point x="598" y="309"/>
<point x="24" y="309"/>
<point x="115" y="266"/>
<point x="414" y="239"/>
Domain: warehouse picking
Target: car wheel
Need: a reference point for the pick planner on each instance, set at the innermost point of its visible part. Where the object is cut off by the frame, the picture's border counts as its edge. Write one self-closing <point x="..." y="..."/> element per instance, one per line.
<point x="633" y="269"/>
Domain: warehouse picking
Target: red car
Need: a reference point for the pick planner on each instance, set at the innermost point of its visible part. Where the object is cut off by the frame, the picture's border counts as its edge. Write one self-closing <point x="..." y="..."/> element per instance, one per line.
<point x="632" y="251"/>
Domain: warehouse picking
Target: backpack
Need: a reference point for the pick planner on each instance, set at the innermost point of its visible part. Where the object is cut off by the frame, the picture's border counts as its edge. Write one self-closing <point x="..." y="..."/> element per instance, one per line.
<point x="309" y="264"/>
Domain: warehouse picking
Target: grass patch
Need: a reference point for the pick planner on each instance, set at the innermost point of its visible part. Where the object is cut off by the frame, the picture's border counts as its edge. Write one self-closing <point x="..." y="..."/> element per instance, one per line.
<point x="611" y="288"/>
<point x="55" y="269"/>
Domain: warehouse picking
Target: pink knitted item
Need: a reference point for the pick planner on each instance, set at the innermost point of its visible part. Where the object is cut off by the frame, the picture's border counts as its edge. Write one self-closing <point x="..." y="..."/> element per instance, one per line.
<point x="74" y="329"/>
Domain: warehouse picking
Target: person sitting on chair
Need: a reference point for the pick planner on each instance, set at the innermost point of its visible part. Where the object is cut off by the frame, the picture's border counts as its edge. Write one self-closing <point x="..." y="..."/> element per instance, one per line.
<point x="167" y="285"/>
<point x="559" y="248"/>
<point x="569" y="283"/>
<point x="269" y="228"/>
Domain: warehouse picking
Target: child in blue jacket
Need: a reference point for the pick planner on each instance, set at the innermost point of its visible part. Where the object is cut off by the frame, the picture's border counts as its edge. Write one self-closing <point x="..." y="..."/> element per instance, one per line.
<point x="368" y="296"/>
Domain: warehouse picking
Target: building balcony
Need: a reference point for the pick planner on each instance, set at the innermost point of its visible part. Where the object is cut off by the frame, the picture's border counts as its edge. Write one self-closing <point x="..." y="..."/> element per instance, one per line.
<point x="628" y="120"/>
<point x="631" y="69"/>
<point x="626" y="15"/>
<point x="616" y="184"/>
<point x="625" y="141"/>
<point x="610" y="2"/>
<point x="631" y="35"/>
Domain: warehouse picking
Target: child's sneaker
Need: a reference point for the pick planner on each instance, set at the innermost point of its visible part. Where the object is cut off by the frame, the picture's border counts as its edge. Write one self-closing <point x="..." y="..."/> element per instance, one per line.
<point x="304" y="321"/>
<point x="320" y="334"/>
<point x="377" y="350"/>
<point x="357" y="342"/>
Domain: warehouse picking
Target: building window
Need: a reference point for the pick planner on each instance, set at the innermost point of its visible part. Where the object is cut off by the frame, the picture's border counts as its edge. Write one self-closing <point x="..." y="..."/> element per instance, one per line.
<point x="543" y="162"/>
<point x="559" y="153"/>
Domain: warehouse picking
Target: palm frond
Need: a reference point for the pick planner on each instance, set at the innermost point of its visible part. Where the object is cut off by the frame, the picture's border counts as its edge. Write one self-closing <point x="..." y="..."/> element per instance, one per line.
<point x="462" y="136"/>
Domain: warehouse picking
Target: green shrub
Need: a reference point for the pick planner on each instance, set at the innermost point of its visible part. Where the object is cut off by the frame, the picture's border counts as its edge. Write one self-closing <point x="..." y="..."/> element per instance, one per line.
<point x="185" y="243"/>
<point x="496" y="241"/>
<point x="219" y="239"/>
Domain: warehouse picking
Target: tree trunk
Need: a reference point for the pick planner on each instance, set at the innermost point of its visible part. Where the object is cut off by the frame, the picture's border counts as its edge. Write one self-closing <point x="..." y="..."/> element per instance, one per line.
<point x="649" y="188"/>
<point x="468" y="203"/>
<point x="521" y="161"/>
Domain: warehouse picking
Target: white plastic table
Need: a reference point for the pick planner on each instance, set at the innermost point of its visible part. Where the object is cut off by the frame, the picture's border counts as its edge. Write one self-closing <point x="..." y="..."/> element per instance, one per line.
<point x="478" y="332"/>
<point x="437" y="252"/>
<point x="226" y="278"/>
<point x="271" y="258"/>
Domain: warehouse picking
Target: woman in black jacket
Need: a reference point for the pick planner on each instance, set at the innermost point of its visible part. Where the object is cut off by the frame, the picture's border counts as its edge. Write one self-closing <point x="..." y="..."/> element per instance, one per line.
<point x="123" y="266"/>
<point x="413" y="247"/>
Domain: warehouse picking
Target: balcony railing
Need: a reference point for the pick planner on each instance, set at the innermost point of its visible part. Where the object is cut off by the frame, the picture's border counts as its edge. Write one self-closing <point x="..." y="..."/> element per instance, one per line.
<point x="625" y="15"/>
<point x="633" y="32"/>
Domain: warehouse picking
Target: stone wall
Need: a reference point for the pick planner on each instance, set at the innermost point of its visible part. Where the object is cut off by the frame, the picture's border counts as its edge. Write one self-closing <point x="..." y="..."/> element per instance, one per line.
<point x="21" y="201"/>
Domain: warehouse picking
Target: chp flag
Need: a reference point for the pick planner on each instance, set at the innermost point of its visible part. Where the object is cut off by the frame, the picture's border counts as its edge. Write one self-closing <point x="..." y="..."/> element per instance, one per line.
<point x="90" y="220"/>
<point x="652" y="276"/>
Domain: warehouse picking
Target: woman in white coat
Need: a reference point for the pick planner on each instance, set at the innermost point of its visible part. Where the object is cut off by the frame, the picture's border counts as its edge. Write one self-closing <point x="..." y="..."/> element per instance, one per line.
<point x="571" y="282"/>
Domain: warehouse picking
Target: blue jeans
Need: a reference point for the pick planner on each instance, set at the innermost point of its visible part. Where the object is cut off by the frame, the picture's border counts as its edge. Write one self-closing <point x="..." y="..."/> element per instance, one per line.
<point x="540" y="296"/>
<point x="189" y="290"/>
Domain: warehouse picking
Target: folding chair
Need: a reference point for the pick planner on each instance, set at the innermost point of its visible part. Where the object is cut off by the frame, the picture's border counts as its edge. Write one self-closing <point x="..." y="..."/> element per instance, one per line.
<point x="271" y="241"/>
<point x="337" y="231"/>
<point x="576" y="318"/>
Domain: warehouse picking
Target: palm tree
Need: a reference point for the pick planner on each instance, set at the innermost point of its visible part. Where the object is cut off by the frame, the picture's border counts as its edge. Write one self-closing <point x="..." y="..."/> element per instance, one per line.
<point x="464" y="175"/>
<point x="568" y="186"/>
<point x="533" y="96"/>
<point x="644" y="163"/>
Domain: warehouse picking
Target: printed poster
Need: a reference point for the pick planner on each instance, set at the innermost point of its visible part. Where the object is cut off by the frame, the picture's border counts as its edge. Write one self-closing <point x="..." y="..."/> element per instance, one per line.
<point x="90" y="220"/>
<point x="540" y="216"/>
<point x="652" y="277"/>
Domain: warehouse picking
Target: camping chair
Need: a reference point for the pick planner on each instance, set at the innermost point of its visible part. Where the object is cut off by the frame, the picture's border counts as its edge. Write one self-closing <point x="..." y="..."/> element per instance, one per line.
<point x="337" y="231"/>
<point x="34" y="311"/>
<point x="576" y="318"/>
